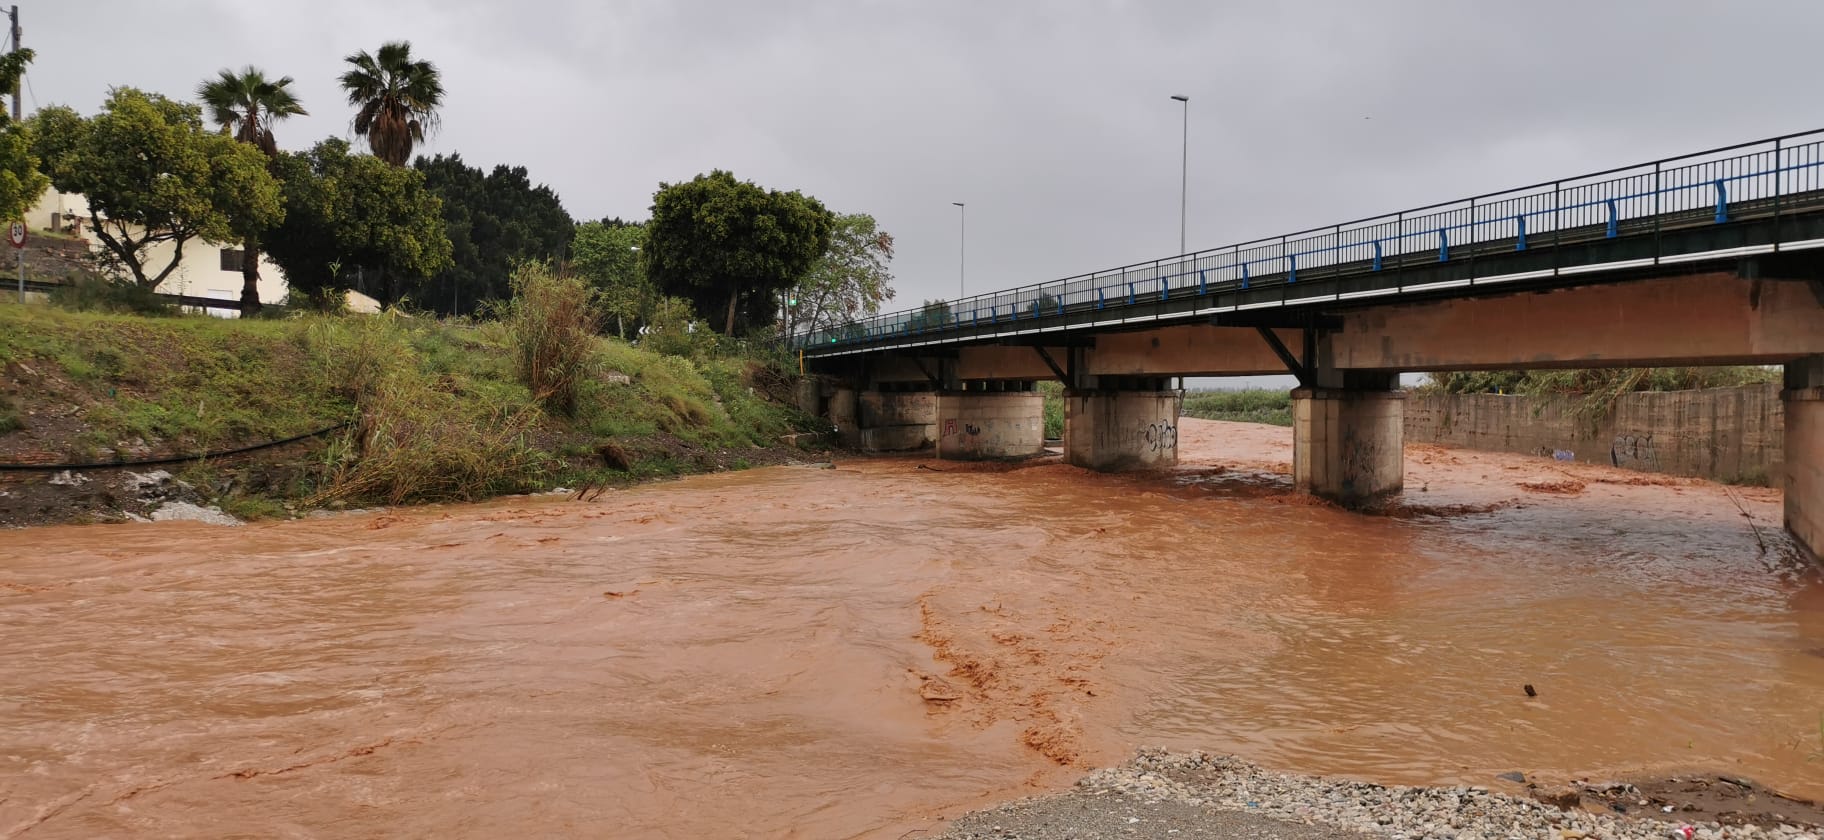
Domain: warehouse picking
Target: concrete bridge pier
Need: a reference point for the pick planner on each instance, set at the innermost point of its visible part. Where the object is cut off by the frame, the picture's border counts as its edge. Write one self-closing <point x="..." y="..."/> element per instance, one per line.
<point x="884" y="419"/>
<point x="1124" y="424"/>
<point x="1348" y="441"/>
<point x="990" y="420"/>
<point x="1804" y="407"/>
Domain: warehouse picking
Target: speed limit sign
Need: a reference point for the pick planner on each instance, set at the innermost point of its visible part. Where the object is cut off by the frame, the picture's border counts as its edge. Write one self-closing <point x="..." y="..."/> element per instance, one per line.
<point x="16" y="234"/>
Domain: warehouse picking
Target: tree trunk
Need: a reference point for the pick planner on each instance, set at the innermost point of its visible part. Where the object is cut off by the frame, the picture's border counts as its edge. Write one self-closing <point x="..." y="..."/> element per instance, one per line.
<point x="732" y="297"/>
<point x="250" y="278"/>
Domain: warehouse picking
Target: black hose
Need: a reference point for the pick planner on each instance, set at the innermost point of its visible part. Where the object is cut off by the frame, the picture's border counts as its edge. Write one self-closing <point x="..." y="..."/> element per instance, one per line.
<point x="175" y="459"/>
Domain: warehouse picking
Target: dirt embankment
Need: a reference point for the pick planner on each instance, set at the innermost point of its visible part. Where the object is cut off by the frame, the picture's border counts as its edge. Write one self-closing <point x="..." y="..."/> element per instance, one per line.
<point x="377" y="411"/>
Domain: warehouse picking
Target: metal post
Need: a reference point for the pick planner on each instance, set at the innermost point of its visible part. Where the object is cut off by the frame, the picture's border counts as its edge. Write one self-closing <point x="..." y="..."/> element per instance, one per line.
<point x="21" y="257"/>
<point x="1184" y="176"/>
<point x="962" y="240"/>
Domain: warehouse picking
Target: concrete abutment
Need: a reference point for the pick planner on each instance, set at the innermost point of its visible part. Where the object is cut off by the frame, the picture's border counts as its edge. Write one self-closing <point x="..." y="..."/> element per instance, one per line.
<point x="1803" y="401"/>
<point x="1118" y="430"/>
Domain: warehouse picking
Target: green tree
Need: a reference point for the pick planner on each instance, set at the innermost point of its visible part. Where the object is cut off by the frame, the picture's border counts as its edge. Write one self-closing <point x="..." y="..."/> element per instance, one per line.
<point x="851" y="280"/>
<point x="396" y="99"/>
<point x="934" y="314"/>
<point x="20" y="181"/>
<point x="246" y="104"/>
<point x="607" y="254"/>
<point x="350" y="216"/>
<point x="729" y="246"/>
<point x="12" y="69"/>
<point x="496" y="222"/>
<point x="152" y="174"/>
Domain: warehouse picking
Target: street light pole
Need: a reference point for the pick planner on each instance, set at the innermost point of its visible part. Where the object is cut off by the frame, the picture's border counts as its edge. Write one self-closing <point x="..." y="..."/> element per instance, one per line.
<point x="962" y="240"/>
<point x="1184" y="176"/>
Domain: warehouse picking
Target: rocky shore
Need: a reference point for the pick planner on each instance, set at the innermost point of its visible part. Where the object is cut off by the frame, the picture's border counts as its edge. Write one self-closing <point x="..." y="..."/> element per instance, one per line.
<point x="1168" y="795"/>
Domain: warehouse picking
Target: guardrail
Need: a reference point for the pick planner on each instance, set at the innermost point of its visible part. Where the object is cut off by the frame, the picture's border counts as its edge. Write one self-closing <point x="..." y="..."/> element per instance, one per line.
<point x="1702" y="187"/>
<point x="174" y="300"/>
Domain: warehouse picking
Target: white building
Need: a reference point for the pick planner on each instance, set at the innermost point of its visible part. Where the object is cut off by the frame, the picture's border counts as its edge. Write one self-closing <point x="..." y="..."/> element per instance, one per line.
<point x="207" y="270"/>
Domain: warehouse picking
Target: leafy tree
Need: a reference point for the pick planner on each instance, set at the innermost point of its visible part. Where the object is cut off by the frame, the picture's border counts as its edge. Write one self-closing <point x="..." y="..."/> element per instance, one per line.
<point x="934" y="314"/>
<point x="495" y="223"/>
<point x="12" y="69"/>
<point x="729" y="246"/>
<point x="20" y="181"/>
<point x="396" y="98"/>
<point x="349" y="215"/>
<point x="246" y="105"/>
<point x="607" y="253"/>
<point x="851" y="279"/>
<point x="152" y="174"/>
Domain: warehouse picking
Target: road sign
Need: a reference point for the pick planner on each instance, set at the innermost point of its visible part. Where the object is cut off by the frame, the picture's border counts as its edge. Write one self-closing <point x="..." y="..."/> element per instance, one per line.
<point x="16" y="235"/>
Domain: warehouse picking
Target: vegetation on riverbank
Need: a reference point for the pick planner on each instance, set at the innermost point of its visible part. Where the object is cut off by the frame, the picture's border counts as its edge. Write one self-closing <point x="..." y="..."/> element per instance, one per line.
<point x="436" y="411"/>
<point x="1255" y="405"/>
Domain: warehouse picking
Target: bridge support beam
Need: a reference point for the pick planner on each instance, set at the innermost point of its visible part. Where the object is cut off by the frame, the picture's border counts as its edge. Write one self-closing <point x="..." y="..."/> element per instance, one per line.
<point x="991" y="421"/>
<point x="1112" y="430"/>
<point x="1348" y="442"/>
<point x="1804" y="484"/>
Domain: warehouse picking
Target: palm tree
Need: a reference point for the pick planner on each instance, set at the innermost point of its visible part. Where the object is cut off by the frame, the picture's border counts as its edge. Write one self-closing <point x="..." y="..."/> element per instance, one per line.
<point x="246" y="105"/>
<point x="396" y="97"/>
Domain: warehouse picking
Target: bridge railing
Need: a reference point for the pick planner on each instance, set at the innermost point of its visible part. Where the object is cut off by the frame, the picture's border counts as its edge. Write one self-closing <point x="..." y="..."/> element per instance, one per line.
<point x="1613" y="202"/>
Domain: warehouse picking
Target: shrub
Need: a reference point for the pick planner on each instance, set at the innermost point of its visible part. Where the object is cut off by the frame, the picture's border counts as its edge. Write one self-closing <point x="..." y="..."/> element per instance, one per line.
<point x="1250" y="406"/>
<point x="552" y="321"/>
<point x="88" y="293"/>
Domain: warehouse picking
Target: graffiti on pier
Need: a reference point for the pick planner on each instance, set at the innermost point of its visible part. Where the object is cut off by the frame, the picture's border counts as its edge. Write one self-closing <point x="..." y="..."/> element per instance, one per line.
<point x="1161" y="437"/>
<point x="972" y="429"/>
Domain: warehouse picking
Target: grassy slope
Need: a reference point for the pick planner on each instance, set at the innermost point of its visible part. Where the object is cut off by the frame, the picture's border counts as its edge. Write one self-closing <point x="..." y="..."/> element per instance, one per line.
<point x="438" y="412"/>
<point x="1251" y="406"/>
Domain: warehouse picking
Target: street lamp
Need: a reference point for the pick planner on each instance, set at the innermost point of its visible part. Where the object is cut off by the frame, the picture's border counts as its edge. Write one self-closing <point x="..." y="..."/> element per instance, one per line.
<point x="1185" y="170"/>
<point x="962" y="239"/>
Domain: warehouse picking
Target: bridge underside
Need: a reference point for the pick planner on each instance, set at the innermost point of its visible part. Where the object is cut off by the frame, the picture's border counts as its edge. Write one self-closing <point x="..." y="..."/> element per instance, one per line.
<point x="1121" y="413"/>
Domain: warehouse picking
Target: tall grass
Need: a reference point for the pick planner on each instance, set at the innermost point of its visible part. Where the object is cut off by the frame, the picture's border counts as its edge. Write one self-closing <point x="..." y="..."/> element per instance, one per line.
<point x="1250" y="406"/>
<point x="422" y="435"/>
<point x="1598" y="389"/>
<point x="552" y="320"/>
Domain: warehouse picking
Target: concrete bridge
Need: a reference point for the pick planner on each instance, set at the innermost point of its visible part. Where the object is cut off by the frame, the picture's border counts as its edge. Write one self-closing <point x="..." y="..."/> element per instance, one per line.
<point x="1708" y="259"/>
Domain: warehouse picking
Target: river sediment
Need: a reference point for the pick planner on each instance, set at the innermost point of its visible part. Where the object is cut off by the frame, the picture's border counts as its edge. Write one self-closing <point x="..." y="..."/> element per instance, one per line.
<point x="863" y="651"/>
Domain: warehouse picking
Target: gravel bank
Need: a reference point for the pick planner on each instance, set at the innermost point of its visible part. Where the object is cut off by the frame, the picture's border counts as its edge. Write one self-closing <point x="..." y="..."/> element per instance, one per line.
<point x="1166" y="795"/>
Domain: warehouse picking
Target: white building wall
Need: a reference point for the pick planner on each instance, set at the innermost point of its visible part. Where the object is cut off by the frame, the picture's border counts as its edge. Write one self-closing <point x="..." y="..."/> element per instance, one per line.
<point x="200" y="274"/>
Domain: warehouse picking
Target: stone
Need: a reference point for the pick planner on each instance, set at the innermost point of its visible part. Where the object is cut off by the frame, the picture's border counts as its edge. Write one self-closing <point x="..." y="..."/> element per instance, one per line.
<point x="186" y="512"/>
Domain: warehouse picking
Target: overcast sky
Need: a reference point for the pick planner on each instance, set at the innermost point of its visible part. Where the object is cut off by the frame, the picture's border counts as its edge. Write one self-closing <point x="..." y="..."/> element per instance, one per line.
<point x="1051" y="120"/>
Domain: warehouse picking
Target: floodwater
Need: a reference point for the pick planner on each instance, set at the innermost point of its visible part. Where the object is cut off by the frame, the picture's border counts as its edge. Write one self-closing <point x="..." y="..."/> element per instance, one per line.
<point x="803" y="652"/>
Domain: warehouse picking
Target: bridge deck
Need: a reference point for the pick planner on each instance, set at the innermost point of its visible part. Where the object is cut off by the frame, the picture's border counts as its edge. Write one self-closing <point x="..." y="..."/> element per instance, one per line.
<point x="1692" y="211"/>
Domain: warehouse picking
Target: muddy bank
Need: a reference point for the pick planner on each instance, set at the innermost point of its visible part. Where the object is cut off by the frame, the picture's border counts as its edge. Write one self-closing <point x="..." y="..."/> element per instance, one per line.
<point x="862" y="651"/>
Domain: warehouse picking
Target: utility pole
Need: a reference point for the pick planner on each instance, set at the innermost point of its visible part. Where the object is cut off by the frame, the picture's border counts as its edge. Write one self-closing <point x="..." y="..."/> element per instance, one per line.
<point x="15" y="16"/>
<point x="962" y="240"/>
<point x="1184" y="176"/>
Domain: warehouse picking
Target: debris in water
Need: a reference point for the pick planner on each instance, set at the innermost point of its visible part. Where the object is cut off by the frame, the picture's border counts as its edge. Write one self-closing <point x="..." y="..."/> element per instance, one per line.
<point x="1530" y="692"/>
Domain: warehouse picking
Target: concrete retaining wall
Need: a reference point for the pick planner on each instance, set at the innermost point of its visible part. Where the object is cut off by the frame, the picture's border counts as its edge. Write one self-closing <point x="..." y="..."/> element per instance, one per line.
<point x="1723" y="434"/>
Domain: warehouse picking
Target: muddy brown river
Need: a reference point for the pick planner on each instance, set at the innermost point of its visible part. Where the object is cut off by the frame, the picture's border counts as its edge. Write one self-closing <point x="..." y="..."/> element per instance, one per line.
<point x="803" y="652"/>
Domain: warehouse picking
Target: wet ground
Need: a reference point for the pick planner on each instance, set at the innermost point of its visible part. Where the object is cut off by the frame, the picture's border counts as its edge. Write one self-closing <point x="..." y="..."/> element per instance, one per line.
<point x="860" y="651"/>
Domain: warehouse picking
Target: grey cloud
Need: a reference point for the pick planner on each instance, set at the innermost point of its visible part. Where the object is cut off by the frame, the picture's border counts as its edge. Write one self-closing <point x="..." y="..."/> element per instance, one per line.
<point x="1050" y="119"/>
